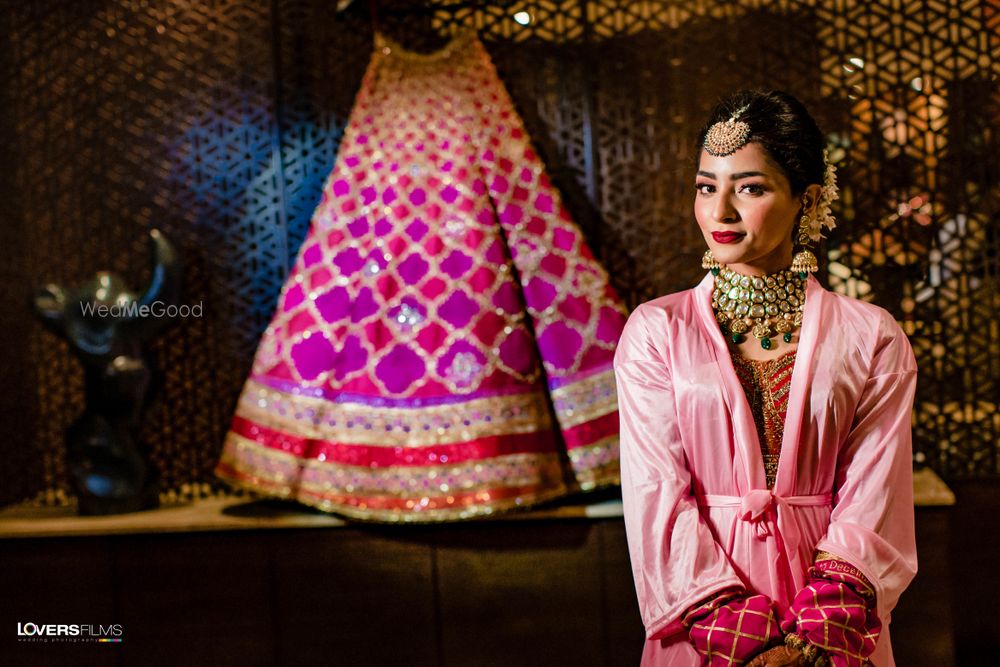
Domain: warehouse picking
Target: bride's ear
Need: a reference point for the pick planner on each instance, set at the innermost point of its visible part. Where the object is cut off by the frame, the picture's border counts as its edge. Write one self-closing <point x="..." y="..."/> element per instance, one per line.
<point x="810" y="198"/>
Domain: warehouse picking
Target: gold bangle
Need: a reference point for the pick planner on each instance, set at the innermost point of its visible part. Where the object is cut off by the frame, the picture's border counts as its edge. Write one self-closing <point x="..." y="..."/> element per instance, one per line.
<point x="812" y="655"/>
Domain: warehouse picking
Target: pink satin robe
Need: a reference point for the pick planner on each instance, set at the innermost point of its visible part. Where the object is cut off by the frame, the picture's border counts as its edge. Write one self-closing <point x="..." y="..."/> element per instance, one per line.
<point x="698" y="514"/>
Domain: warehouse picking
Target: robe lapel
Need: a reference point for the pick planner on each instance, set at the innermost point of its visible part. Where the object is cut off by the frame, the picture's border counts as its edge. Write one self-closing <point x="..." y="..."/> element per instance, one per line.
<point x="745" y="432"/>
<point x="798" y="393"/>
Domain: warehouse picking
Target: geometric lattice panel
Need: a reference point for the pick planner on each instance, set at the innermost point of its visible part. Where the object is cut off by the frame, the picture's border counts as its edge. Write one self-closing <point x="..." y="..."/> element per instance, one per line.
<point x="218" y="123"/>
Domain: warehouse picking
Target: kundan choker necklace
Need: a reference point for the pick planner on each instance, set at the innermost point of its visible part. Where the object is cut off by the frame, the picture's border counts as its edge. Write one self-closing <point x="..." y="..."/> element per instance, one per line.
<point x="762" y="306"/>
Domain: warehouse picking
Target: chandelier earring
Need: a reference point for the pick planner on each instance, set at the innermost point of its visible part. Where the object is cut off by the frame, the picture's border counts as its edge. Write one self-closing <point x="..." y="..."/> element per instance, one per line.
<point x="804" y="262"/>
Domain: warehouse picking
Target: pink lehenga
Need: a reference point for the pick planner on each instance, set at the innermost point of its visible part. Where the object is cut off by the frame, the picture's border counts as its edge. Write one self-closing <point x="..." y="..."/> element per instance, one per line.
<point x="443" y="346"/>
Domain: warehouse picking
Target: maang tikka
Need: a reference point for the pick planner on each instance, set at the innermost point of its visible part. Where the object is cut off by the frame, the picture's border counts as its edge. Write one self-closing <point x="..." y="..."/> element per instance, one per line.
<point x="724" y="138"/>
<point x="728" y="136"/>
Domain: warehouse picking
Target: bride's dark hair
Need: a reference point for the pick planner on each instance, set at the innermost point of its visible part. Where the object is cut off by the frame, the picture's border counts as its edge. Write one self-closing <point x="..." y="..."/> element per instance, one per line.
<point x="783" y="126"/>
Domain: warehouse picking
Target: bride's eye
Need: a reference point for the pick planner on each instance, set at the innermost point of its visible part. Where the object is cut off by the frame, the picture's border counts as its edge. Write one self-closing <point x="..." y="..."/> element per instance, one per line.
<point x="752" y="188"/>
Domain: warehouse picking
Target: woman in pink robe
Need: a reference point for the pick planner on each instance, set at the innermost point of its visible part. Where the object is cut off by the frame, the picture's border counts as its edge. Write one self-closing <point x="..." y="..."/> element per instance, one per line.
<point x="700" y="515"/>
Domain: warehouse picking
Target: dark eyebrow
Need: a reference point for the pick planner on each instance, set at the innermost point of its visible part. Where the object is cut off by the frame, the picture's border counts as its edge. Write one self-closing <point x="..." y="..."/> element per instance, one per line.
<point x="735" y="177"/>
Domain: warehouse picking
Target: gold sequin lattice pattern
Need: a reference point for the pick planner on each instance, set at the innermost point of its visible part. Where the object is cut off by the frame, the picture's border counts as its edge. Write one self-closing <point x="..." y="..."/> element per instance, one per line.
<point x="766" y="385"/>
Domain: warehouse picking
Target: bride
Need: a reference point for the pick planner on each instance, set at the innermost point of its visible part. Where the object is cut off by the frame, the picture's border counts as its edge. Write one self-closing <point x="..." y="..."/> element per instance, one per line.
<point x="765" y="424"/>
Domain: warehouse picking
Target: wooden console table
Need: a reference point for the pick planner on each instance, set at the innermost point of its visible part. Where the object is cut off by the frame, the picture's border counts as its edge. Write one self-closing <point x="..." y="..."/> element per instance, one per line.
<point x="231" y="581"/>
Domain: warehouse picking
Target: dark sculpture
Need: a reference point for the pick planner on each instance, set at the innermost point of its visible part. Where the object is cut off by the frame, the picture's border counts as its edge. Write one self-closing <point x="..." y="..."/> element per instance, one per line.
<point x="106" y="324"/>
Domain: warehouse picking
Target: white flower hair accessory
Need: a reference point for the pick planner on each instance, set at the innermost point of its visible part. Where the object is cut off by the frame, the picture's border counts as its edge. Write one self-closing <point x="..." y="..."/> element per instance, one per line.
<point x="811" y="228"/>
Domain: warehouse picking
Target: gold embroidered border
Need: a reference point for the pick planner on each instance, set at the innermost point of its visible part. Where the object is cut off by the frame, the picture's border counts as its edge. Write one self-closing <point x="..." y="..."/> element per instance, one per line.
<point x="574" y="417"/>
<point x="541" y="470"/>
<point x="355" y="423"/>
<point x="605" y="450"/>
<point x="233" y="470"/>
<point x="582" y="401"/>
<point x="258" y="485"/>
<point x="467" y="512"/>
<point x="596" y="465"/>
<point x="585" y="386"/>
<point x="273" y="471"/>
<point x="279" y="470"/>
<point x="598" y="478"/>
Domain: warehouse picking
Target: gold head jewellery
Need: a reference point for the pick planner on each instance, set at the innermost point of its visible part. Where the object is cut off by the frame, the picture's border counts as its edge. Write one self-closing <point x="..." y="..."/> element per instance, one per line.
<point x="727" y="136"/>
<point x="761" y="305"/>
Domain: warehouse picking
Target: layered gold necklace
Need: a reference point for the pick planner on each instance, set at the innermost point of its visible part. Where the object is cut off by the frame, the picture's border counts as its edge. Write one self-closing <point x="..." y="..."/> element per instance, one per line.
<point x="760" y="305"/>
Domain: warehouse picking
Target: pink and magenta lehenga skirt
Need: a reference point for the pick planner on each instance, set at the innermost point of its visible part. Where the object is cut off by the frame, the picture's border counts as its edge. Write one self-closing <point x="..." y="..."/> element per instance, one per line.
<point x="442" y="347"/>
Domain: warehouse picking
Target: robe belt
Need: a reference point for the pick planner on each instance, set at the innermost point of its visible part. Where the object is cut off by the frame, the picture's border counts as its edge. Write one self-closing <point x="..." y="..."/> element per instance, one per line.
<point x="754" y="506"/>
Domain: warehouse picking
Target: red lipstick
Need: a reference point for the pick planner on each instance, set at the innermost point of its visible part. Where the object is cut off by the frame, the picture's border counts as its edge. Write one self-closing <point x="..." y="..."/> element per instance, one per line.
<point x="727" y="237"/>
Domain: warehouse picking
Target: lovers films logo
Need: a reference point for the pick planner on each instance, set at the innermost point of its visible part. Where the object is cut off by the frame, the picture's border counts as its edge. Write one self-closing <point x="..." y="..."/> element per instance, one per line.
<point x="68" y="632"/>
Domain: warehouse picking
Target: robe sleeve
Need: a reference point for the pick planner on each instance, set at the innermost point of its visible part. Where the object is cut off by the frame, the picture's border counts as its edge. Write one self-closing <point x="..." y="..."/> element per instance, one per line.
<point x="676" y="561"/>
<point x="872" y="523"/>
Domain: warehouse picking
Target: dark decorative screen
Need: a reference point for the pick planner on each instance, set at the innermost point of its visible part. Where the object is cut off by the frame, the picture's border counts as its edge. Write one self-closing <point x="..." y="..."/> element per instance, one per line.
<point x="219" y="121"/>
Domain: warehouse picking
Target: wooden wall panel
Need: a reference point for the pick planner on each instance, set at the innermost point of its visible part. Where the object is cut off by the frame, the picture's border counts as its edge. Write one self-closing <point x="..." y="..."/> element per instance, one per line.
<point x="355" y="597"/>
<point x="623" y="631"/>
<point x="528" y="596"/>
<point x="195" y="599"/>
<point x="56" y="581"/>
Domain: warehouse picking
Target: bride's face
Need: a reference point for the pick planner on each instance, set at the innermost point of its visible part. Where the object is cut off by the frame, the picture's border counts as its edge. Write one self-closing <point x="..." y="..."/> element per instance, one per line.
<point x="746" y="210"/>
